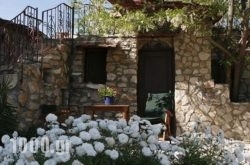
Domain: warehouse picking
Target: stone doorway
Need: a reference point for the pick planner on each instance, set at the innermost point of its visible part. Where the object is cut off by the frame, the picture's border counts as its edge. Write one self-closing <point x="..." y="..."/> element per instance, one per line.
<point x="155" y="72"/>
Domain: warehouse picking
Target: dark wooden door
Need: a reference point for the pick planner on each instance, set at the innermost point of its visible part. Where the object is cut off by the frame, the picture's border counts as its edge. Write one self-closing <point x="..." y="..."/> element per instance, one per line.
<point x="155" y="73"/>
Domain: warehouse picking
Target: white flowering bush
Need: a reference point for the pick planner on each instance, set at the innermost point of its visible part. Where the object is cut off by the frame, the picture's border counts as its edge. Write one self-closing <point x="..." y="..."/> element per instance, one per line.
<point x="82" y="141"/>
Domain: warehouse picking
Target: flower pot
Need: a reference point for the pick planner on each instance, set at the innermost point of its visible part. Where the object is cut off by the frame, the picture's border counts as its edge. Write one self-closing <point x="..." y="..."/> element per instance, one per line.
<point x="108" y="100"/>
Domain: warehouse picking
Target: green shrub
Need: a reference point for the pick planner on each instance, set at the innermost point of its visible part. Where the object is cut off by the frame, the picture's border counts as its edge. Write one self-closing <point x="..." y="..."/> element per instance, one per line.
<point x="8" y="118"/>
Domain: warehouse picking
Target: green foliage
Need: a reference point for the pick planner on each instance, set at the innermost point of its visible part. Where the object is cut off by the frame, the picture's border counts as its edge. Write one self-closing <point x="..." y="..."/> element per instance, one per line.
<point x="199" y="150"/>
<point x="8" y="119"/>
<point x="107" y="91"/>
<point x="129" y="22"/>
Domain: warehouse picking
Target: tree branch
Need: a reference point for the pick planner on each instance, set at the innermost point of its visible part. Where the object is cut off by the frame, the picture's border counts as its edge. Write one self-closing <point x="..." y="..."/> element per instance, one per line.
<point x="217" y="45"/>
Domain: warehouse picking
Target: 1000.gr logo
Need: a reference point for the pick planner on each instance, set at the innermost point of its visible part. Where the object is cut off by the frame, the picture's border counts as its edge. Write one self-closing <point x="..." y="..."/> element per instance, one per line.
<point x="20" y="145"/>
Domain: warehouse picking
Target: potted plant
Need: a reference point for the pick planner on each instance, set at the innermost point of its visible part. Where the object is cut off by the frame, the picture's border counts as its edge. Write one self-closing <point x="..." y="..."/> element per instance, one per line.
<point x="108" y="94"/>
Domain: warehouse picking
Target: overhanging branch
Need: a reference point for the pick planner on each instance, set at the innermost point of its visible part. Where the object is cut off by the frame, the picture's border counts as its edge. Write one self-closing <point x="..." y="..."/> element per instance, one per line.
<point x="217" y="45"/>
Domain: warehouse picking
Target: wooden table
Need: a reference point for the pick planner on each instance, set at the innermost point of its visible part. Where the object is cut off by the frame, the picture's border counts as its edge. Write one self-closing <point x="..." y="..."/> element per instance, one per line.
<point x="108" y="108"/>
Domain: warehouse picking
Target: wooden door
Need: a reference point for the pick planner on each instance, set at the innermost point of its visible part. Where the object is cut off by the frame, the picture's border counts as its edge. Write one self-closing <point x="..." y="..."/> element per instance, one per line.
<point x="155" y="72"/>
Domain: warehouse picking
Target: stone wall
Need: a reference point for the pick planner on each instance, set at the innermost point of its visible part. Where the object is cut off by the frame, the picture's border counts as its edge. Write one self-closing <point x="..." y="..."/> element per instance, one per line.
<point x="198" y="98"/>
<point x="55" y="74"/>
<point x="38" y="84"/>
<point x="196" y="95"/>
<point x="121" y="68"/>
<point x="25" y="95"/>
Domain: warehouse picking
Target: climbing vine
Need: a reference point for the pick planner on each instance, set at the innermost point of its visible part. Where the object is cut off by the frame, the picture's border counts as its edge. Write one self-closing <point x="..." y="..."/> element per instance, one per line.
<point x="117" y="20"/>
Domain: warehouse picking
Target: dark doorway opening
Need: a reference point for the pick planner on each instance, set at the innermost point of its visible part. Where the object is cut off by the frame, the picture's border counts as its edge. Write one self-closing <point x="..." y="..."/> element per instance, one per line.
<point x="156" y="72"/>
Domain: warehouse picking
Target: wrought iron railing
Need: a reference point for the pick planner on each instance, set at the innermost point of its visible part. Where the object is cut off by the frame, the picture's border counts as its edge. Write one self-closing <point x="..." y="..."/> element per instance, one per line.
<point x="22" y="37"/>
<point x="27" y="35"/>
<point x="19" y="38"/>
<point x="58" y="23"/>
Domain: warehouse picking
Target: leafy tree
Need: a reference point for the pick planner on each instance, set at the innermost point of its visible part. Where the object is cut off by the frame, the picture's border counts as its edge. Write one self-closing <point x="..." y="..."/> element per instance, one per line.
<point x="230" y="35"/>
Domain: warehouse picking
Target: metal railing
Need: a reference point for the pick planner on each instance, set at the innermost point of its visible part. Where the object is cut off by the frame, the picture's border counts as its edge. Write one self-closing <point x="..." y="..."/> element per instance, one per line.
<point x="58" y="23"/>
<point x="20" y="37"/>
<point x="27" y="34"/>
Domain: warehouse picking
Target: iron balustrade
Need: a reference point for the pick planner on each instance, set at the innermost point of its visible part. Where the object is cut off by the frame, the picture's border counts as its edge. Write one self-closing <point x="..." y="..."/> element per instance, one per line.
<point x="58" y="23"/>
<point x="27" y="34"/>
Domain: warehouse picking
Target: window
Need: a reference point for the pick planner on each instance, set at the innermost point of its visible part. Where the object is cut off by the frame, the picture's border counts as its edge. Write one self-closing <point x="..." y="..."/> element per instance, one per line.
<point x="95" y="65"/>
<point x="218" y="68"/>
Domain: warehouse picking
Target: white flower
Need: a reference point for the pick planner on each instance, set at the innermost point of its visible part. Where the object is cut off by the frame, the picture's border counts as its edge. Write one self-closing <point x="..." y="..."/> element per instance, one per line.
<point x="28" y="155"/>
<point x="77" y="162"/>
<point x="89" y="149"/>
<point x="144" y="135"/>
<point x="72" y="131"/>
<point x="163" y="159"/>
<point x="5" y="139"/>
<point x="146" y="151"/>
<point x="81" y="126"/>
<point x="80" y="150"/>
<point x="164" y="145"/>
<point x="152" y="139"/>
<point x="239" y="155"/>
<point x="135" y="134"/>
<point x="112" y="153"/>
<point x="52" y="137"/>
<point x="85" y="117"/>
<point x="15" y="134"/>
<point x="112" y="127"/>
<point x="8" y="160"/>
<point x="92" y="124"/>
<point x="103" y="124"/>
<point x="63" y="124"/>
<point x="48" y="154"/>
<point x="143" y="143"/>
<point x="63" y="137"/>
<point x="122" y="123"/>
<point x="134" y="118"/>
<point x="152" y="147"/>
<point x="99" y="147"/>
<point x="77" y="121"/>
<point x="69" y="120"/>
<point x="85" y="136"/>
<point x="64" y="157"/>
<point x="40" y="131"/>
<point x="123" y="138"/>
<point x="51" y="118"/>
<point x="134" y="127"/>
<point x="75" y="140"/>
<point x="208" y="131"/>
<point x="156" y="129"/>
<point x="34" y="163"/>
<point x="110" y="141"/>
<point x="50" y="162"/>
<point x="220" y="137"/>
<point x="19" y="162"/>
<point x="94" y="133"/>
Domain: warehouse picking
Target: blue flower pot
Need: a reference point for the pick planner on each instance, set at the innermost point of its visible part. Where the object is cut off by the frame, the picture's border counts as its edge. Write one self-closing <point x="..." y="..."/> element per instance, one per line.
<point x="108" y="100"/>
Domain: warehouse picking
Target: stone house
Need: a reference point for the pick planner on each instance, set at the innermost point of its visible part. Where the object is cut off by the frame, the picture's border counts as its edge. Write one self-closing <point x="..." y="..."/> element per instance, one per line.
<point x="137" y="65"/>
